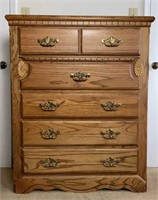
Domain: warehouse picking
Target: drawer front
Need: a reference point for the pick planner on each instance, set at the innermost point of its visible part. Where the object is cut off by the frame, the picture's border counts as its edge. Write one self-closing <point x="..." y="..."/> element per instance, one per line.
<point x="53" y="104"/>
<point x="111" y="41"/>
<point x="69" y="161"/>
<point x="79" y="132"/>
<point x="48" y="40"/>
<point x="108" y="75"/>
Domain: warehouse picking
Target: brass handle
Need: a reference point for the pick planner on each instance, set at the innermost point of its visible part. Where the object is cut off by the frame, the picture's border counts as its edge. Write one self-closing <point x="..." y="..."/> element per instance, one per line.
<point x="111" y="162"/>
<point x="49" y="162"/>
<point x="49" y="134"/>
<point x="111" y="106"/>
<point x="110" y="134"/>
<point x="155" y="65"/>
<point x="111" y="42"/>
<point x="49" y="106"/>
<point x="48" y="41"/>
<point x="80" y="76"/>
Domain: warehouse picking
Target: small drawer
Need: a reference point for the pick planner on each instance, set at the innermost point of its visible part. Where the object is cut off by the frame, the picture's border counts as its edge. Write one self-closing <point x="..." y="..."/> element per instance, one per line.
<point x="48" y="40"/>
<point x="80" y="160"/>
<point x="109" y="75"/>
<point x="63" y="132"/>
<point x="82" y="104"/>
<point x="111" y="41"/>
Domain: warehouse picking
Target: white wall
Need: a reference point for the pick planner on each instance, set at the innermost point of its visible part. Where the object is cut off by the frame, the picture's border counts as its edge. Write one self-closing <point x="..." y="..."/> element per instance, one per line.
<point x="81" y="7"/>
<point x="5" y="102"/>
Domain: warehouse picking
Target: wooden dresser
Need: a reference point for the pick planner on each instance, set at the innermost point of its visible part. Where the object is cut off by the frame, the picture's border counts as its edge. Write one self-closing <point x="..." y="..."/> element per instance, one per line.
<point x="79" y="102"/>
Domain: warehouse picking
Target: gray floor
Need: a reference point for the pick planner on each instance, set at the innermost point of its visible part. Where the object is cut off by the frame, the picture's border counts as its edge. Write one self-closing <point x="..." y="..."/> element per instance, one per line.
<point x="8" y="194"/>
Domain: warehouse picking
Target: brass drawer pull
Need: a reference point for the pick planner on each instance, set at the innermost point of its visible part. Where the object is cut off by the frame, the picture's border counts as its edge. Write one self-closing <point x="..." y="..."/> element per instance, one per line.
<point x="48" y="41"/>
<point x="111" y="106"/>
<point x="49" y="134"/>
<point x="111" y="42"/>
<point x="80" y="76"/>
<point x="110" y="134"/>
<point x="49" y="106"/>
<point x="49" y="162"/>
<point x="111" y="162"/>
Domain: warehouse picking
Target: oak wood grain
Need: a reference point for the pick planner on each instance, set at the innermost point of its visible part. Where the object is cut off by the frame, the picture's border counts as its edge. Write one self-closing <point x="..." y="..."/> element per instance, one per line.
<point x="109" y="75"/>
<point x="79" y="132"/>
<point x="16" y="107"/>
<point x="79" y="116"/>
<point x="80" y="161"/>
<point x="92" y="41"/>
<point x="80" y="104"/>
<point x="68" y="40"/>
<point x="80" y="183"/>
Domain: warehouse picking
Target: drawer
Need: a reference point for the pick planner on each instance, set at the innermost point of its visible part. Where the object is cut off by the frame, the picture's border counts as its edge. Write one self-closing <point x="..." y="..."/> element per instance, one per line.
<point x="68" y="132"/>
<point x="79" y="160"/>
<point x="109" y="75"/>
<point x="111" y="41"/>
<point x="44" y="40"/>
<point x="82" y="104"/>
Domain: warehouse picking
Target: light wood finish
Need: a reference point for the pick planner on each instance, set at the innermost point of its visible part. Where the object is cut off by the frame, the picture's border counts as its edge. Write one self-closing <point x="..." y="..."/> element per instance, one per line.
<point x="80" y="104"/>
<point x="68" y="40"/>
<point x="80" y="132"/>
<point x="109" y="75"/>
<point x="111" y="182"/>
<point x="79" y="119"/>
<point x="80" y="161"/>
<point x="92" y="41"/>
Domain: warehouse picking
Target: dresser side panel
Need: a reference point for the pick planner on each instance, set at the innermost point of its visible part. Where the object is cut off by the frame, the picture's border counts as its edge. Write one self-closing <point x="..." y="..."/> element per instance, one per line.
<point x="16" y="107"/>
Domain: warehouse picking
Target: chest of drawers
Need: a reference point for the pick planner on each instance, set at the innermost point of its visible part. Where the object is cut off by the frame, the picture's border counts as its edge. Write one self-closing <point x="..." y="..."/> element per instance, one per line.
<point x="79" y="102"/>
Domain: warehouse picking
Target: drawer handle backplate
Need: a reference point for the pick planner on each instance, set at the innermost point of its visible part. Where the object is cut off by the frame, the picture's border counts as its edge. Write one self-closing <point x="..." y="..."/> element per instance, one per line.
<point x="49" y="134"/>
<point x="110" y="134"/>
<point x="111" y="106"/>
<point x="48" y="41"/>
<point x="80" y="76"/>
<point x="49" y="162"/>
<point x="111" y="42"/>
<point x="49" y="106"/>
<point x="111" y="162"/>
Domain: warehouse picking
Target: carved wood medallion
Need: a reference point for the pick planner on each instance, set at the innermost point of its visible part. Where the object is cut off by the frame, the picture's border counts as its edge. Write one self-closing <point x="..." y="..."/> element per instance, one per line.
<point x="23" y="70"/>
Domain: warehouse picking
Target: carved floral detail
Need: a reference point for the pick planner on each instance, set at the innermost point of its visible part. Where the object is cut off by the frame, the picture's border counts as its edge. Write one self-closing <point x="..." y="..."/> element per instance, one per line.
<point x="23" y="70"/>
<point x="138" y="68"/>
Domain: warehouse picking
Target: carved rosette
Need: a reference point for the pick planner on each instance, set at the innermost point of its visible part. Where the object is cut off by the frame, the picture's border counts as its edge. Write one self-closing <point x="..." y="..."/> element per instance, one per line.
<point x="23" y="70"/>
<point x="138" y="68"/>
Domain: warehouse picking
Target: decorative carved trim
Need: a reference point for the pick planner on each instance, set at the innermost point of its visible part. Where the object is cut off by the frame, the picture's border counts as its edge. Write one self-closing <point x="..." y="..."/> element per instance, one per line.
<point x="23" y="70"/>
<point x="82" y="21"/>
<point x="82" y="184"/>
<point x="80" y="58"/>
<point x="138" y="68"/>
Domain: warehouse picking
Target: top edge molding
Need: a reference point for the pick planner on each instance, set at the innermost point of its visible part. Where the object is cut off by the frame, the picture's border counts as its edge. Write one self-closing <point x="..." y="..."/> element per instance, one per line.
<point x="79" y="20"/>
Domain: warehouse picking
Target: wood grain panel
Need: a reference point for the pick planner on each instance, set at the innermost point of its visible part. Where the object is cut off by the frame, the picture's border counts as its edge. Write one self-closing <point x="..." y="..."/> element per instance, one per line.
<point x="109" y="75"/>
<point x="80" y="160"/>
<point x="79" y="104"/>
<point x="68" y="40"/>
<point x="80" y="183"/>
<point x="92" y="41"/>
<point x="79" y="132"/>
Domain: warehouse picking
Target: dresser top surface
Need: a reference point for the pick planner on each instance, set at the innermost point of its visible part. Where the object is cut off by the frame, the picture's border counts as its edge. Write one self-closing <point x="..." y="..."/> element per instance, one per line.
<point x="103" y="20"/>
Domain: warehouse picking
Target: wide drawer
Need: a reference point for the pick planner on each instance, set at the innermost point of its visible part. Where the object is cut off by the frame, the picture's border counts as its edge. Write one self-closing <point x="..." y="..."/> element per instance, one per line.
<point x="79" y="104"/>
<point x="109" y="75"/>
<point x="111" y="41"/>
<point x="68" y="132"/>
<point x="46" y="40"/>
<point x="79" y="160"/>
